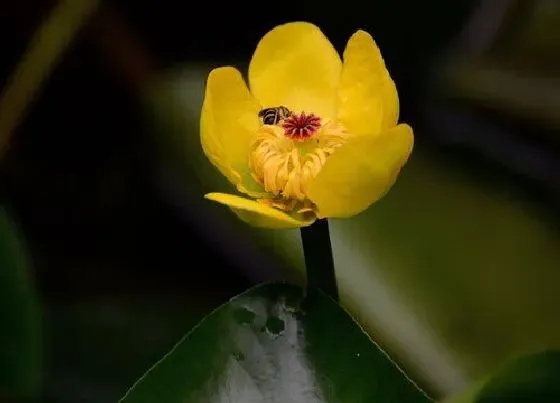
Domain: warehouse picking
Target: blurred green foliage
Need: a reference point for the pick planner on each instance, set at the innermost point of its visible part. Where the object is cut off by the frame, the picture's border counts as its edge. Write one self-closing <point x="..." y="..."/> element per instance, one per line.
<point x="99" y="346"/>
<point x="44" y="51"/>
<point x="530" y="378"/>
<point x="20" y="319"/>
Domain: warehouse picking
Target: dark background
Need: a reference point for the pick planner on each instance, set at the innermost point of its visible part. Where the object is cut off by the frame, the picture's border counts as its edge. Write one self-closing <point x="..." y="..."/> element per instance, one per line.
<point x="114" y="260"/>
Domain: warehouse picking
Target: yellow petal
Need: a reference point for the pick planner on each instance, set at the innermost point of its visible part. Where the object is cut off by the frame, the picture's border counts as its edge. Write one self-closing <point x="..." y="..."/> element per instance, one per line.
<point x="258" y="214"/>
<point x="228" y="123"/>
<point x="368" y="99"/>
<point x="295" y="65"/>
<point x="360" y="172"/>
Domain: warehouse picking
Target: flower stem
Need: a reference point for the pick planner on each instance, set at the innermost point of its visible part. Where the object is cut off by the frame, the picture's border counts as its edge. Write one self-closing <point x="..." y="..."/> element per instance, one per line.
<point x="318" y="256"/>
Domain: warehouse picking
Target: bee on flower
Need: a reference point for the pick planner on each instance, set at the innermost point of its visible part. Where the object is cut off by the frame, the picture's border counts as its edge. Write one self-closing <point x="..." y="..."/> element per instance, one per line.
<point x="313" y="136"/>
<point x="272" y="116"/>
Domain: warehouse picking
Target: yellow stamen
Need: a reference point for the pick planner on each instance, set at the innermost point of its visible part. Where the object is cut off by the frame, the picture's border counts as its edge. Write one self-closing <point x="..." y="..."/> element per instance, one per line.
<point x="284" y="166"/>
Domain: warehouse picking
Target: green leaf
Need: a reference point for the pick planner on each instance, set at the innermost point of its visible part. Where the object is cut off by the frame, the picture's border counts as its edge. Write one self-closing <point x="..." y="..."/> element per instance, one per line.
<point x="530" y="378"/>
<point x="271" y="344"/>
<point x="20" y="338"/>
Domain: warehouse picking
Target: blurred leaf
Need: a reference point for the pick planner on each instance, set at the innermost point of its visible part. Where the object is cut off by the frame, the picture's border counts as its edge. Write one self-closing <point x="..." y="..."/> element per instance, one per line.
<point x="46" y="47"/>
<point x="20" y="338"/>
<point x="96" y="349"/>
<point x="531" y="378"/>
<point x="271" y="344"/>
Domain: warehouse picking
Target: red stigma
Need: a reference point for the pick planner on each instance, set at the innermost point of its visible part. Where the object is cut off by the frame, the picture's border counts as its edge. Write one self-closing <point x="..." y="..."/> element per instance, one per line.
<point x="301" y="127"/>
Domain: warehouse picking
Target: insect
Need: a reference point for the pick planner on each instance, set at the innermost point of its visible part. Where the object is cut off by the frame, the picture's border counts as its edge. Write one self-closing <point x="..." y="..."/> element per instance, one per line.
<point x="271" y="116"/>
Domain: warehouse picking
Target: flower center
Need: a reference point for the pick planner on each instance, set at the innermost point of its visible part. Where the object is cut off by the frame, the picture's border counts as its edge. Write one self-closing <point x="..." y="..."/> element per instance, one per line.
<point x="285" y="156"/>
<point x="302" y="126"/>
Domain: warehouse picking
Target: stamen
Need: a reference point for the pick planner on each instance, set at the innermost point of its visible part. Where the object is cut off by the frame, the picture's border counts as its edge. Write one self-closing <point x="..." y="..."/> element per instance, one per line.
<point x="283" y="164"/>
<point x="301" y="127"/>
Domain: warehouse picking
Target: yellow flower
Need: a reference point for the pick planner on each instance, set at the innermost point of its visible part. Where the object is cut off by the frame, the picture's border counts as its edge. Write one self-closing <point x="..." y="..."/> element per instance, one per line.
<point x="329" y="147"/>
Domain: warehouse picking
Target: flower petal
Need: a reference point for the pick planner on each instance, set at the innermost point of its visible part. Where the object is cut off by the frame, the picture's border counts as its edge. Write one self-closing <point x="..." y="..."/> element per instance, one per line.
<point x="360" y="172"/>
<point x="228" y="123"/>
<point x="258" y="214"/>
<point x="295" y="65"/>
<point x="368" y="99"/>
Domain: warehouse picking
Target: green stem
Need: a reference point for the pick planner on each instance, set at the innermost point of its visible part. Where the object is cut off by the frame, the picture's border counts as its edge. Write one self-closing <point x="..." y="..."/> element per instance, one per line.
<point x="319" y="261"/>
